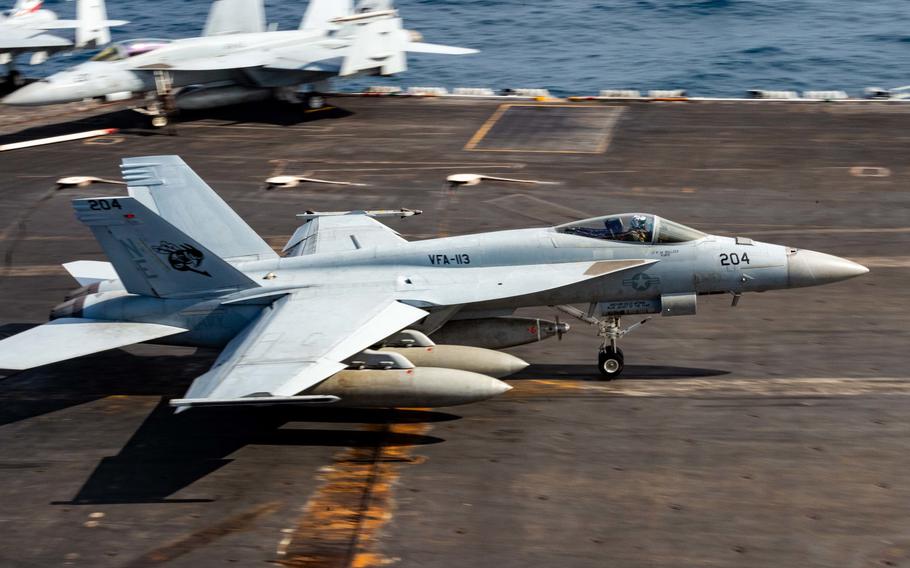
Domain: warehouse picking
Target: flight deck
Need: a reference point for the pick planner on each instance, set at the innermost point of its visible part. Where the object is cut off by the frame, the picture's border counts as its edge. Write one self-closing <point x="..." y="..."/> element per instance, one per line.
<point x="773" y="433"/>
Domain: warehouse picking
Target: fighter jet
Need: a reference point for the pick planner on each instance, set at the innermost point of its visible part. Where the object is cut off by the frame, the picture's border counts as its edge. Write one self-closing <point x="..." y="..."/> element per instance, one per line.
<point x="22" y="30"/>
<point x="237" y="60"/>
<point x="346" y="315"/>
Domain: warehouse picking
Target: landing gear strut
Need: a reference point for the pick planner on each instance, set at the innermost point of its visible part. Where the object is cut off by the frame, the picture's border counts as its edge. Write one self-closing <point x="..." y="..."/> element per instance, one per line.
<point x="161" y="105"/>
<point x="610" y="359"/>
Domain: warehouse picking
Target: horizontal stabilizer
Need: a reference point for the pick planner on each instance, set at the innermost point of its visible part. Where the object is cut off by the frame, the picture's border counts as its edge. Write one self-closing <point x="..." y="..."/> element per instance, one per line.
<point x="67" y="338"/>
<point x="88" y="272"/>
<point x="420" y="47"/>
<point x="254" y="401"/>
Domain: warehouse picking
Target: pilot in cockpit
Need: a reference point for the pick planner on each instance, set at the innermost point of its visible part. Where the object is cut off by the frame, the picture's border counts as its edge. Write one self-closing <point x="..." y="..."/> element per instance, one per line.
<point x="638" y="230"/>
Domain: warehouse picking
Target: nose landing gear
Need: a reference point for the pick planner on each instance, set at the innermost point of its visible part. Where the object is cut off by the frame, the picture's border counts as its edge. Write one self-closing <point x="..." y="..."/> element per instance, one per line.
<point x="160" y="106"/>
<point x="610" y="362"/>
<point x="610" y="359"/>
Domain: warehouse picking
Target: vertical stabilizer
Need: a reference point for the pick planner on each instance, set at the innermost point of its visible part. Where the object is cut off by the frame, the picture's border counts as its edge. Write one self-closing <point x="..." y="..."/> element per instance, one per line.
<point x="151" y="256"/>
<point x="170" y="188"/>
<point x="235" y="17"/>
<point x="25" y="7"/>
<point x="92" y="29"/>
<point x="320" y="13"/>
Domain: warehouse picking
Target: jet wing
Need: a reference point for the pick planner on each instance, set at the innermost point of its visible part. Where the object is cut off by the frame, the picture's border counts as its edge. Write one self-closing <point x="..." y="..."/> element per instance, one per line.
<point x="296" y="343"/>
<point x="339" y="234"/>
<point x="66" y="338"/>
<point x="27" y="40"/>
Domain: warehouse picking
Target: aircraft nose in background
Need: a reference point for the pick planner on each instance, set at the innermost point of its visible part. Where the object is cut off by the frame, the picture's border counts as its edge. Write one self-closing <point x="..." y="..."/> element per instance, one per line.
<point x="33" y="94"/>
<point x="810" y="268"/>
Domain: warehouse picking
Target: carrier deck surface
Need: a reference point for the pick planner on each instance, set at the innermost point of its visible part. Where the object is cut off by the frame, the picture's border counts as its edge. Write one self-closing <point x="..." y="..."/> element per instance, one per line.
<point x="776" y="433"/>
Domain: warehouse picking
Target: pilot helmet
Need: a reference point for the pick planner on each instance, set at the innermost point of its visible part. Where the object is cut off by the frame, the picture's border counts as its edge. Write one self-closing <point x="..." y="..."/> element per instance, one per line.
<point x="639" y="222"/>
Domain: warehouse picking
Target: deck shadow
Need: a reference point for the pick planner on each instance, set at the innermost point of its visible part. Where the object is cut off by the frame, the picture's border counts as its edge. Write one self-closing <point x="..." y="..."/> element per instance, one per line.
<point x="131" y="122"/>
<point x="170" y="452"/>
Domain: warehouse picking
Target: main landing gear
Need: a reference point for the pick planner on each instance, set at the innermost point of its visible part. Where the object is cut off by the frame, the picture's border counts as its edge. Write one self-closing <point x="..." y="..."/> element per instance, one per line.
<point x="311" y="100"/>
<point x="610" y="359"/>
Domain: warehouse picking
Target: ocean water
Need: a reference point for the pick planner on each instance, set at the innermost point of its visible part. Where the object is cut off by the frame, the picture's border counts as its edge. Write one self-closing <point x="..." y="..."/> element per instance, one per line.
<point x="708" y="47"/>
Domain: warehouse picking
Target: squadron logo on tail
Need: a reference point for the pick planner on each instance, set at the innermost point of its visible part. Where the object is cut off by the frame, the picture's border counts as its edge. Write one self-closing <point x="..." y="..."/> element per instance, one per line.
<point x="183" y="257"/>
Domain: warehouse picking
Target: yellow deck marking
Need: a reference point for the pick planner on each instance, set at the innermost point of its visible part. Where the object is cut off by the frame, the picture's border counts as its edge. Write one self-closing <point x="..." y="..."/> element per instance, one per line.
<point x="486" y="126"/>
<point x="341" y="522"/>
<point x="503" y="108"/>
<point x="880" y="386"/>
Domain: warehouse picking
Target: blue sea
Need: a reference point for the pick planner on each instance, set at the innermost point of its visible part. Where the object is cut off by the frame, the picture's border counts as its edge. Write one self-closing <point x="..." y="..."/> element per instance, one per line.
<point x="577" y="47"/>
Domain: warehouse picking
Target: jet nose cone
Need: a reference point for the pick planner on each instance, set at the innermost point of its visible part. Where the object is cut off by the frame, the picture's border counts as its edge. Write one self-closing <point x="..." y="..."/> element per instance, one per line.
<point x="810" y="268"/>
<point x="37" y="93"/>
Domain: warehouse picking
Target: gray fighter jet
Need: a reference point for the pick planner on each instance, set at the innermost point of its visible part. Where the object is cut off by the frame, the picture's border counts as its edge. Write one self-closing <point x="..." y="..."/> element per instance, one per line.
<point x="346" y="315"/>
<point x="237" y="60"/>
<point x="23" y="30"/>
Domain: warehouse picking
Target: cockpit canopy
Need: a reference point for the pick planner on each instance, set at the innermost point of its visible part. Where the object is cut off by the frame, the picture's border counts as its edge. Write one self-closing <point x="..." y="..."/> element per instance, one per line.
<point x="632" y="227"/>
<point x="121" y="50"/>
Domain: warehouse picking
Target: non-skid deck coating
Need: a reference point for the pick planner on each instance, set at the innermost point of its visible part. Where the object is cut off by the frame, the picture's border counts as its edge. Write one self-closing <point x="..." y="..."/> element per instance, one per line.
<point x="569" y="129"/>
<point x="773" y="434"/>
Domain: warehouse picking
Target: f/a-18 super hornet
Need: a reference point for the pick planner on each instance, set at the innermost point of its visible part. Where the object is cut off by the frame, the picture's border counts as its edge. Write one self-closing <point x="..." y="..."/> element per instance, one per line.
<point x="23" y="30"/>
<point x="348" y="314"/>
<point x="238" y="60"/>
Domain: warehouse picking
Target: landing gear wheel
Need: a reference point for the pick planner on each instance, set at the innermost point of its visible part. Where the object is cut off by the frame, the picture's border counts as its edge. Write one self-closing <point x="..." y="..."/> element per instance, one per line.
<point x="159" y="121"/>
<point x="610" y="363"/>
<point x="314" y="101"/>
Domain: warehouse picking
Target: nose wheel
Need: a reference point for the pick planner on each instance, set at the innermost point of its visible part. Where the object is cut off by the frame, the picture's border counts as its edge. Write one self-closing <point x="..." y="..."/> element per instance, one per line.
<point x="314" y="101"/>
<point x="610" y="362"/>
<point x="160" y="106"/>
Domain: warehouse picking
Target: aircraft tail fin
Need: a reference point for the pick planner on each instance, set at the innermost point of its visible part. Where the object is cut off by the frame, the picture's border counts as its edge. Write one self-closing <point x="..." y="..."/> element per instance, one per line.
<point x="378" y="41"/>
<point x="235" y="17"/>
<point x="320" y="13"/>
<point x="25" y="7"/>
<point x="170" y="188"/>
<point x="92" y="23"/>
<point x="151" y="256"/>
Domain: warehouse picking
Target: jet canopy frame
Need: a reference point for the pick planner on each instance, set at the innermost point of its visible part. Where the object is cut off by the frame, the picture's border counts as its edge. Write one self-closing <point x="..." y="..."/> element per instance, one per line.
<point x="638" y="228"/>
<point x="120" y="50"/>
